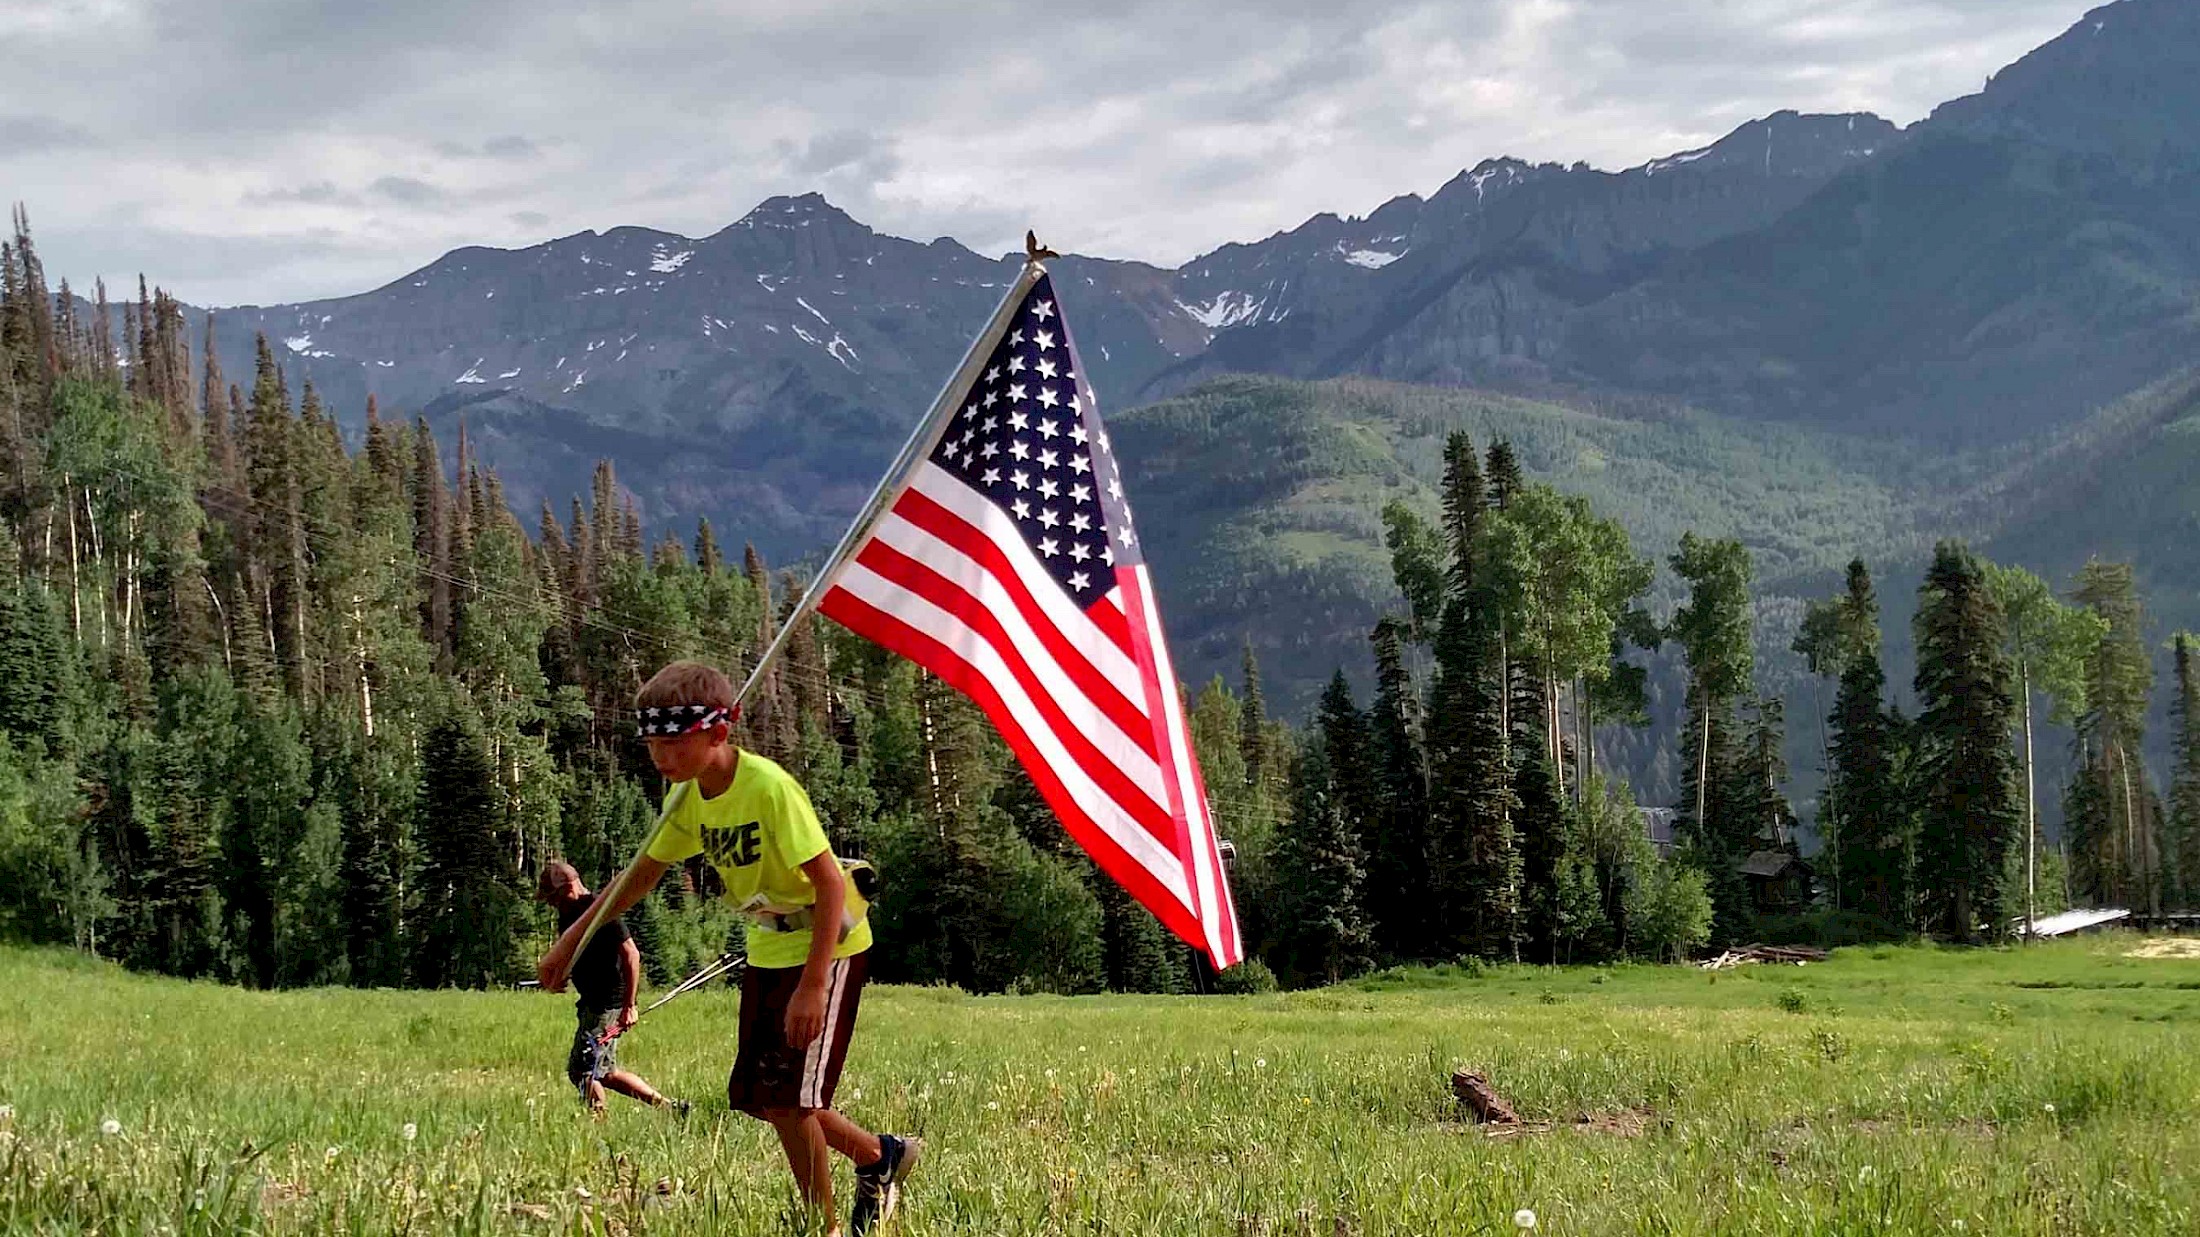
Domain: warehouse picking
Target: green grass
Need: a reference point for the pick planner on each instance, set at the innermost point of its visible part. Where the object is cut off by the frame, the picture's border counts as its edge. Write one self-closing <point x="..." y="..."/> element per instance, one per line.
<point x="1887" y="1091"/>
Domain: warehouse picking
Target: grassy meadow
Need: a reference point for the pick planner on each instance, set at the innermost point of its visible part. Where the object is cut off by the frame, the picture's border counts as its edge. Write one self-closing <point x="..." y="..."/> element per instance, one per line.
<point x="1886" y="1091"/>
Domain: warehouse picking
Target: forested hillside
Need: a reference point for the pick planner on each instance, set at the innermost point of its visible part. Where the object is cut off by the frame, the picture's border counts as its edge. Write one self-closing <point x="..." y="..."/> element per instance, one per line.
<point x="283" y="711"/>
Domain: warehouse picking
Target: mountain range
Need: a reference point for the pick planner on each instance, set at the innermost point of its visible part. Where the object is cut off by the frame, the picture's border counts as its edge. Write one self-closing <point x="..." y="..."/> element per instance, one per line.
<point x="1828" y="334"/>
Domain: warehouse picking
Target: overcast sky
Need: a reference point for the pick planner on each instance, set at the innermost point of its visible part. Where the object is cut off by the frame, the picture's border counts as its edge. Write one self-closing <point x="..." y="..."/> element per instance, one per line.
<point x="274" y="150"/>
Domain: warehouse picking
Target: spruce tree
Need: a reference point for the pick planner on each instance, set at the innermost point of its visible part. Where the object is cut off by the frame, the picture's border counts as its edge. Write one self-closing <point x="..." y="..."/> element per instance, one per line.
<point x="431" y="538"/>
<point x="467" y="899"/>
<point x="1475" y="864"/>
<point x="2185" y="782"/>
<point x="1970" y="814"/>
<point x="1865" y="843"/>
<point x="1324" y="931"/>
<point x="1397" y="841"/>
<point x="707" y="556"/>
<point x="2117" y="857"/>
<point x="1347" y="744"/>
<point x="1252" y="719"/>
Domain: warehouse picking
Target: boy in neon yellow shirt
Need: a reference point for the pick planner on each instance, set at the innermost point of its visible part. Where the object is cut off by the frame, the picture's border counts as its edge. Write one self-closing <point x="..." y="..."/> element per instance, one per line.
<point x="808" y="935"/>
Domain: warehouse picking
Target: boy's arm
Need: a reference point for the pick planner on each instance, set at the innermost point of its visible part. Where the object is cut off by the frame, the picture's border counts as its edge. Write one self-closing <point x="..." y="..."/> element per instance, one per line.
<point x="806" y="1012"/>
<point x="630" y="974"/>
<point x="627" y="888"/>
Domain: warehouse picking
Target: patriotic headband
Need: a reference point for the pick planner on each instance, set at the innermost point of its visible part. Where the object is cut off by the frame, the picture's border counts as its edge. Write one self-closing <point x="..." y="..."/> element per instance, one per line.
<point x="674" y="719"/>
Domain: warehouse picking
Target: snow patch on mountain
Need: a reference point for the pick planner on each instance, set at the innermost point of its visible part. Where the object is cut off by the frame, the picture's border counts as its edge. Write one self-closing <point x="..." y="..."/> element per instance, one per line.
<point x="665" y="263"/>
<point x="1226" y="309"/>
<point x="472" y="374"/>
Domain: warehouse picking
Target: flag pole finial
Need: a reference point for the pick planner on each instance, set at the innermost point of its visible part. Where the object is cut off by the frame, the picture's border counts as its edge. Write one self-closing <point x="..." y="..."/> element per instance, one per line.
<point x="1035" y="252"/>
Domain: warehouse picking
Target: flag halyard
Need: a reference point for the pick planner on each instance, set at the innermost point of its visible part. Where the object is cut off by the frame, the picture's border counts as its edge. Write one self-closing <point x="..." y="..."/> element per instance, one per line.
<point x="1007" y="563"/>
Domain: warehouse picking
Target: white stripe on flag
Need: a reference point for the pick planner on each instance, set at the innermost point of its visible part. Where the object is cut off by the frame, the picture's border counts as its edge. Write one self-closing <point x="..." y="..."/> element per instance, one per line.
<point x="1123" y="751"/>
<point x="1107" y="660"/>
<point x="1151" y="853"/>
<point x="1199" y="828"/>
<point x="978" y="511"/>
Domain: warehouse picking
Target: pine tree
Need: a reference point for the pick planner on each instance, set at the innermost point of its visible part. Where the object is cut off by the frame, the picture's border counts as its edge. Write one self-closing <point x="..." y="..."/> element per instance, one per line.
<point x="1347" y="744"/>
<point x="1252" y="719"/>
<point x="1866" y="842"/>
<point x="1504" y="474"/>
<point x="1325" y="935"/>
<point x="2185" y="782"/>
<point x="1397" y="844"/>
<point x="1970" y="812"/>
<point x="431" y="538"/>
<point x="277" y="542"/>
<point x="2118" y="855"/>
<point x="1475" y="858"/>
<point x="467" y="898"/>
<point x="707" y="556"/>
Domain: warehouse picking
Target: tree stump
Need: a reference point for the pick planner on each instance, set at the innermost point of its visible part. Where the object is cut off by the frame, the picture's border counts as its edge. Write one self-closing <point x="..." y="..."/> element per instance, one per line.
<point x="1488" y="1107"/>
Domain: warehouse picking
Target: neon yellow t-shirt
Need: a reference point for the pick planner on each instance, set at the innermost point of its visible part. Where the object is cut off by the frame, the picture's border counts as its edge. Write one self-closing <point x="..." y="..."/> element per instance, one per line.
<point x="758" y="834"/>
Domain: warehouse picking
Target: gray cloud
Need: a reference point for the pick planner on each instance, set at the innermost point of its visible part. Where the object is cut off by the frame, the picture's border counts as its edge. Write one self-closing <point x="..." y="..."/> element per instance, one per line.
<point x="319" y="193"/>
<point x="30" y="134"/>
<point x="510" y="146"/>
<point x="1130" y="128"/>
<point x="408" y="191"/>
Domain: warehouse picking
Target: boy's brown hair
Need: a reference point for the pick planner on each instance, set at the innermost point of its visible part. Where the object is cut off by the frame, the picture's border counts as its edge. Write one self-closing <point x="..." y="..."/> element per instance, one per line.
<point x="686" y="682"/>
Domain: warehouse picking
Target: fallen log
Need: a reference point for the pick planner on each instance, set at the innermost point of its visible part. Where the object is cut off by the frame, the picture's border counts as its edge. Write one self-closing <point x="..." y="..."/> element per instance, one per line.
<point x="1474" y="1091"/>
<point x="1788" y="954"/>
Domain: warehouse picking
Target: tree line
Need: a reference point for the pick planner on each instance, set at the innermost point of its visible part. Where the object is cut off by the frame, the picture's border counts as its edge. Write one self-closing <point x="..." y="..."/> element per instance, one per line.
<point x="280" y="708"/>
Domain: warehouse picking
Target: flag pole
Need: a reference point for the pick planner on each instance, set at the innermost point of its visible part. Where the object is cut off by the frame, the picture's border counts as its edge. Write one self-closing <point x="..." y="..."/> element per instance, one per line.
<point x="921" y="441"/>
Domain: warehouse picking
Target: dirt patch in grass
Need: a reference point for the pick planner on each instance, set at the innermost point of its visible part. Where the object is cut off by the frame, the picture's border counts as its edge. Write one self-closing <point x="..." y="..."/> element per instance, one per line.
<point x="2166" y="947"/>
<point x="1621" y="1122"/>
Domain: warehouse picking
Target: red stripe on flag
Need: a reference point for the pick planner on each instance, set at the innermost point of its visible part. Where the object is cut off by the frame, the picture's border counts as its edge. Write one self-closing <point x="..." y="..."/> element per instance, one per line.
<point x="989" y="556"/>
<point x="899" y="637"/>
<point x="914" y="577"/>
<point x="926" y="513"/>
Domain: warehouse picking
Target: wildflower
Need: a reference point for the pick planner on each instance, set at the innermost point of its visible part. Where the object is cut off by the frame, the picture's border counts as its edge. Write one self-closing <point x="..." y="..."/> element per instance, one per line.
<point x="409" y="1132"/>
<point x="110" y="1127"/>
<point x="1260" y="1063"/>
<point x="1523" y="1219"/>
<point x="581" y="1192"/>
<point x="2050" y="1110"/>
<point x="330" y="1155"/>
<point x="857" y="1093"/>
<point x="993" y="1105"/>
<point x="7" y="1112"/>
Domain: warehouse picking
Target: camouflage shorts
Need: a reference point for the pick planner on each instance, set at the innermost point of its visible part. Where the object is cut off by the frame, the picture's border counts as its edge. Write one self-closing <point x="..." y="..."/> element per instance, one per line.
<point x="592" y="1056"/>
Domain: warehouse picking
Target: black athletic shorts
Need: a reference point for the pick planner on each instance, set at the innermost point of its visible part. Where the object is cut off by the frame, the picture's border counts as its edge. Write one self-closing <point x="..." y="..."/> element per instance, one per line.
<point x="768" y="1072"/>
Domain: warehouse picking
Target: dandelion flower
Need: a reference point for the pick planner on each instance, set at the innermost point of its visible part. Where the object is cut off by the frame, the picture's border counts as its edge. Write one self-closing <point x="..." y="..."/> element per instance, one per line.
<point x="409" y="1132"/>
<point x="330" y="1155"/>
<point x="2050" y="1110"/>
<point x="993" y="1105"/>
<point x="7" y="1112"/>
<point x="1523" y="1219"/>
<point x="1260" y="1063"/>
<point x="110" y="1127"/>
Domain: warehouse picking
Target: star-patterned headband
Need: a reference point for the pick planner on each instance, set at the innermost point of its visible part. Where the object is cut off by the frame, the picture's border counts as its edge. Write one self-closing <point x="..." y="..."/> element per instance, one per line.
<point x="674" y="719"/>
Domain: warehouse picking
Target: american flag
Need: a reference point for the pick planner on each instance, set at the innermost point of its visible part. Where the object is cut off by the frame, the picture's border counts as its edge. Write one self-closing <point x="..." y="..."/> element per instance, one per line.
<point x="1007" y="564"/>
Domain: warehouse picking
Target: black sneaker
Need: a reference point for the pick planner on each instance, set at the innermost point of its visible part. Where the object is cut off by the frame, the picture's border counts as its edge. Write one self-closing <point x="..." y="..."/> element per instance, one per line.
<point x="878" y="1187"/>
